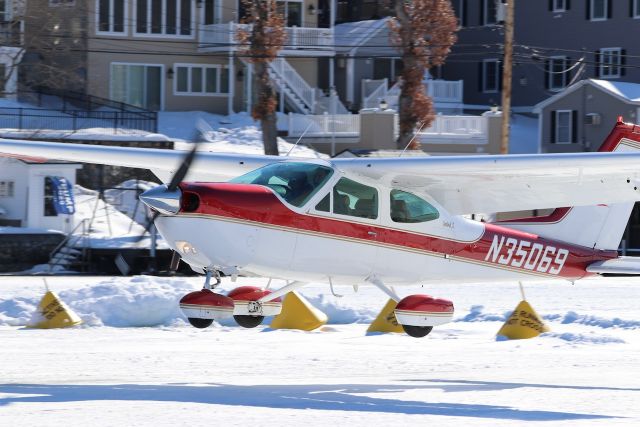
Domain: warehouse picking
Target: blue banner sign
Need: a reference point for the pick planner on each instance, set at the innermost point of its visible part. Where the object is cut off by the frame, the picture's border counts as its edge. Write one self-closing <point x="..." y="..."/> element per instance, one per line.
<point x="63" y="195"/>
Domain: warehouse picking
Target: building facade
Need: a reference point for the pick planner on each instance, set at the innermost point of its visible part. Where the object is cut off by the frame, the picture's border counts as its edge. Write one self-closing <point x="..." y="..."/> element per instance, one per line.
<point x="177" y="55"/>
<point x="557" y="42"/>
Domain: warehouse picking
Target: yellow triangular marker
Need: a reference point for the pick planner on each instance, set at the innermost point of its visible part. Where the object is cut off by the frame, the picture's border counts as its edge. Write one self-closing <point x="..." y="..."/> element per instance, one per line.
<point x="386" y="320"/>
<point x="298" y="313"/>
<point x="524" y="322"/>
<point x="53" y="313"/>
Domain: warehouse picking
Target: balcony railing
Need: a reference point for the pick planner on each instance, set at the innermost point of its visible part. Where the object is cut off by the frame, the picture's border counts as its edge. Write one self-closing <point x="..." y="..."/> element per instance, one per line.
<point x="440" y="91"/>
<point x="222" y="37"/>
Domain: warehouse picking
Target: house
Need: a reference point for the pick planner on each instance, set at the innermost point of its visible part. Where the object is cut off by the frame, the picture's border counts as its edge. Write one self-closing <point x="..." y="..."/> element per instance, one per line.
<point x="177" y="55"/>
<point x="558" y="42"/>
<point x="27" y="193"/>
<point x="581" y="116"/>
<point x="11" y="51"/>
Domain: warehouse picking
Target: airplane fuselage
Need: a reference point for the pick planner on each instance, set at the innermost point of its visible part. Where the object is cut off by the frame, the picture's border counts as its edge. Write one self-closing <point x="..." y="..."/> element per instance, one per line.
<point x="249" y="229"/>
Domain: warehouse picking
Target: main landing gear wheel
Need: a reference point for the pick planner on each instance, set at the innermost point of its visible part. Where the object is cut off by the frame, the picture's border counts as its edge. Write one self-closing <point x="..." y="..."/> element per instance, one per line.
<point x="417" y="331"/>
<point x="200" y="323"/>
<point x="248" y="321"/>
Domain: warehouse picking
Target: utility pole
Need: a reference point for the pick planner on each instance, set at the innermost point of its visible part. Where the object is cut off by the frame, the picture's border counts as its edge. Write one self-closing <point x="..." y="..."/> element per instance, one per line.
<point x="507" y="76"/>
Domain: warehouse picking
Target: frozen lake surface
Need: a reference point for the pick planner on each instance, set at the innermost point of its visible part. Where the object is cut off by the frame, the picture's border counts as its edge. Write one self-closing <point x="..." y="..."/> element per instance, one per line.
<point x="136" y="361"/>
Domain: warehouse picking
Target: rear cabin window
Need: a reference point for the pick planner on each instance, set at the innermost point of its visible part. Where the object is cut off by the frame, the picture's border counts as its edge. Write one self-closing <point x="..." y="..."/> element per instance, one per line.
<point x="294" y="182"/>
<point x="352" y="199"/>
<point x="408" y="208"/>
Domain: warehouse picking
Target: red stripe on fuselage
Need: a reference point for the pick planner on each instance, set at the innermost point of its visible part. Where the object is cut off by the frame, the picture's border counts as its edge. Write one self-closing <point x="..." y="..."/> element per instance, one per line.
<point x="258" y="204"/>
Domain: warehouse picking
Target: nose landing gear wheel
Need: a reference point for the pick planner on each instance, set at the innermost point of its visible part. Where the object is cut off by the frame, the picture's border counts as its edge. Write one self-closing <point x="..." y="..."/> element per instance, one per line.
<point x="417" y="331"/>
<point x="248" y="321"/>
<point x="199" y="323"/>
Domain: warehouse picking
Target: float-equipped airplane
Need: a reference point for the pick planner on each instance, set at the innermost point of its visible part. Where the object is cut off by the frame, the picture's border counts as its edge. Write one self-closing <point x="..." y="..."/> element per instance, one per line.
<point x="384" y="222"/>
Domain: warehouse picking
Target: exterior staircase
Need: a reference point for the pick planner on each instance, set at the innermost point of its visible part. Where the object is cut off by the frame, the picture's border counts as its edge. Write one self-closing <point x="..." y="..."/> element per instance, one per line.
<point x="298" y="95"/>
<point x="66" y="256"/>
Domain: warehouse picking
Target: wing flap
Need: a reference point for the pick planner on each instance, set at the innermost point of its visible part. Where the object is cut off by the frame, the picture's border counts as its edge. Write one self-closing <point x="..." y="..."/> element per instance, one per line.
<point x="620" y="265"/>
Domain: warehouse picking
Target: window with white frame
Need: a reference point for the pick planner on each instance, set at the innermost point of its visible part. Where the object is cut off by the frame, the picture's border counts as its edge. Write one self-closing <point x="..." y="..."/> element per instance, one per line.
<point x="609" y="63"/>
<point x="7" y="188"/>
<point x="137" y="84"/>
<point x="489" y="12"/>
<point x="201" y="80"/>
<point x="557" y="73"/>
<point x="111" y="16"/>
<point x="211" y="12"/>
<point x="292" y="11"/>
<point x="598" y="10"/>
<point x="558" y="5"/>
<point x="491" y="75"/>
<point x="563" y="131"/>
<point x="164" y="17"/>
<point x="635" y="10"/>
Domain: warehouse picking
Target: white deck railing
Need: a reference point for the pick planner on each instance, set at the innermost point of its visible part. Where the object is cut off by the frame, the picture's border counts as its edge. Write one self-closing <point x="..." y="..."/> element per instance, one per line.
<point x="324" y="125"/>
<point x="440" y="91"/>
<point x="451" y="128"/>
<point x="455" y="128"/>
<point x="373" y="91"/>
<point x="223" y="37"/>
<point x="444" y="90"/>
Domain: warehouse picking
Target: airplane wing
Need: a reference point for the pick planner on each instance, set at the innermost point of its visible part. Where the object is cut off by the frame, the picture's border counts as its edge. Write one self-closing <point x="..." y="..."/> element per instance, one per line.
<point x="163" y="163"/>
<point x="461" y="184"/>
<point x="474" y="184"/>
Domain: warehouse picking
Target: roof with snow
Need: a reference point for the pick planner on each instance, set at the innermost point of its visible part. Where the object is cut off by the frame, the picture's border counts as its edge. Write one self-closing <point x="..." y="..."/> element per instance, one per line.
<point x="625" y="91"/>
<point x="352" y="35"/>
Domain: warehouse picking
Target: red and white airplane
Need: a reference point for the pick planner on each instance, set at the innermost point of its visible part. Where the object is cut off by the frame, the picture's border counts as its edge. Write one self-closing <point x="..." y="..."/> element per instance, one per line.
<point x="383" y="222"/>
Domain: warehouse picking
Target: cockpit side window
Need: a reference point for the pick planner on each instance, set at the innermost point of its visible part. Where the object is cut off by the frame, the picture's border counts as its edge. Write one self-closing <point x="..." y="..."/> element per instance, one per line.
<point x="355" y="199"/>
<point x="408" y="208"/>
<point x="294" y="182"/>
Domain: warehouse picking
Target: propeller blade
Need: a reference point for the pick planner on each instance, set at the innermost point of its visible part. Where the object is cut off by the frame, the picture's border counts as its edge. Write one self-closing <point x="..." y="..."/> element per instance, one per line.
<point x="183" y="169"/>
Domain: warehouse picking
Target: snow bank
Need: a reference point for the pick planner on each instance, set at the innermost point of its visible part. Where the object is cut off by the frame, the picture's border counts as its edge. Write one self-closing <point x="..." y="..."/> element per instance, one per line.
<point x="571" y="317"/>
<point x="119" y="302"/>
<point x="153" y="301"/>
<point x="591" y="338"/>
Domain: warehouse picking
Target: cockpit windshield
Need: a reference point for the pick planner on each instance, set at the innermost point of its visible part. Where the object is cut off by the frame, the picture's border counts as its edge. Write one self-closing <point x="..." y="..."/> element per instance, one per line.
<point x="294" y="182"/>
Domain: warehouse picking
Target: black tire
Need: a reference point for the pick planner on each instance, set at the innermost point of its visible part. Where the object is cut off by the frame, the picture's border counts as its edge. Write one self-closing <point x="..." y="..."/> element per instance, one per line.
<point x="417" y="331"/>
<point x="199" y="323"/>
<point x="248" y="321"/>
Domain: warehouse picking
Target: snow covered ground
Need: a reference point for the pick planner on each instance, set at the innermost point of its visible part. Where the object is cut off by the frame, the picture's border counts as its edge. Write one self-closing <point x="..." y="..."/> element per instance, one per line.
<point x="136" y="361"/>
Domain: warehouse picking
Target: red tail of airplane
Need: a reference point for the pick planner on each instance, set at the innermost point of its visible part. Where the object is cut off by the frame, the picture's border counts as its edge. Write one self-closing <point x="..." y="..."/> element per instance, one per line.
<point x="599" y="226"/>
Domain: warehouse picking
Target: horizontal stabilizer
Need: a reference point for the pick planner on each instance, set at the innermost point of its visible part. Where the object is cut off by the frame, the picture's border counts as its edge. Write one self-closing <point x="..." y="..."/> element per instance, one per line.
<point x="620" y="265"/>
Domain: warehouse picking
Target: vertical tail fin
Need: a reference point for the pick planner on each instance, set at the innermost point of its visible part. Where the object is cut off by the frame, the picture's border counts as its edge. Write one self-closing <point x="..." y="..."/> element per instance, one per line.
<point x="600" y="226"/>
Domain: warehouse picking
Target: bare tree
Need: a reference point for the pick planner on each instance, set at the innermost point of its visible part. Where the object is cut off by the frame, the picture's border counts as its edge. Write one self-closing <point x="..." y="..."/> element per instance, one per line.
<point x="55" y="41"/>
<point x="260" y="44"/>
<point x="423" y="31"/>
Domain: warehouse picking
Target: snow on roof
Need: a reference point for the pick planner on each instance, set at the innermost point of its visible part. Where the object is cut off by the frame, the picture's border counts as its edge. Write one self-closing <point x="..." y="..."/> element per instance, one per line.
<point x="353" y="34"/>
<point x="625" y="91"/>
<point x="629" y="91"/>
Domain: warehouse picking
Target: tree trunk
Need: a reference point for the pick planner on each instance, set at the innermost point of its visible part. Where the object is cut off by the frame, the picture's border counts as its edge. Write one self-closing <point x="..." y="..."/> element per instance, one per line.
<point x="270" y="134"/>
<point x="412" y="89"/>
<point x="406" y="119"/>
<point x="268" y="121"/>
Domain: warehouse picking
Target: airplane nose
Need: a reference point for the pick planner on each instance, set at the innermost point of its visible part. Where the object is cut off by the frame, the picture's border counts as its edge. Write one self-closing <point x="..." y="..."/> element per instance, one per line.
<point x="162" y="199"/>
